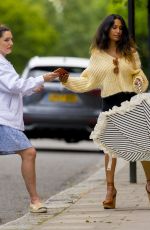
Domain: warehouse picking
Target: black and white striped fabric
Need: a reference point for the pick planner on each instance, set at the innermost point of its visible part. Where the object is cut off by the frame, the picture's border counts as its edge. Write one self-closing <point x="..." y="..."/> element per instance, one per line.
<point x="127" y="134"/>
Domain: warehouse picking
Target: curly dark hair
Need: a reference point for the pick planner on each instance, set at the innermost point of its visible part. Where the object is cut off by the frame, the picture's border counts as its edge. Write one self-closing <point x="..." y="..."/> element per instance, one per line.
<point x="3" y="29"/>
<point x="125" y="45"/>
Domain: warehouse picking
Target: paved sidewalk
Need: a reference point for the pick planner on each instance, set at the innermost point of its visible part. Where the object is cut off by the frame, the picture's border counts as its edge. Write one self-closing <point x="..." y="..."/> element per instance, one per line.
<point x="79" y="207"/>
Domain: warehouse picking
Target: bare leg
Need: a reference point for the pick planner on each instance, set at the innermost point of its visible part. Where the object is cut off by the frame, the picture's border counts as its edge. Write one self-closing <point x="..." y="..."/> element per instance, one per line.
<point x="110" y="173"/>
<point x="146" y="167"/>
<point x="111" y="191"/>
<point x="28" y="157"/>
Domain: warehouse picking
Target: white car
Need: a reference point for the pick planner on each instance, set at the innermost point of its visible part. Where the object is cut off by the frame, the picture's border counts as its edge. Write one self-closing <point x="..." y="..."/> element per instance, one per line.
<point x="58" y="112"/>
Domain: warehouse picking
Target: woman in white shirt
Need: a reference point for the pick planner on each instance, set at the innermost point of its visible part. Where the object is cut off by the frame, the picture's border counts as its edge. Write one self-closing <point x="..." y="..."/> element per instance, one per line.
<point x="12" y="139"/>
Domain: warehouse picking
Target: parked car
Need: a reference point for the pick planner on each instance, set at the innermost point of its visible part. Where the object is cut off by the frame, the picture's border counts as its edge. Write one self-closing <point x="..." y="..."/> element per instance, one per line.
<point x="57" y="112"/>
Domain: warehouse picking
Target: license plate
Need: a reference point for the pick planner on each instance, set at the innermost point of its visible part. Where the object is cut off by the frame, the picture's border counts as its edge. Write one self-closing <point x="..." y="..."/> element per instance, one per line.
<point x="65" y="98"/>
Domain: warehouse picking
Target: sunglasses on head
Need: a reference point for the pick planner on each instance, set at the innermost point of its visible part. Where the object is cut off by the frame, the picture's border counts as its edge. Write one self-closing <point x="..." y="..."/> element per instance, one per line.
<point x="116" y="63"/>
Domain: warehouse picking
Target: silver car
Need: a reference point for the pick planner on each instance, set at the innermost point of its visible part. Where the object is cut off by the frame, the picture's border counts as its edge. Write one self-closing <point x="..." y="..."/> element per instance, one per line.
<point x="58" y="112"/>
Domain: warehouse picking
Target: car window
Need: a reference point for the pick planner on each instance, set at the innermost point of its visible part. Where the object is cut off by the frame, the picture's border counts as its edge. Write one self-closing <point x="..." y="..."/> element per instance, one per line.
<point x="37" y="71"/>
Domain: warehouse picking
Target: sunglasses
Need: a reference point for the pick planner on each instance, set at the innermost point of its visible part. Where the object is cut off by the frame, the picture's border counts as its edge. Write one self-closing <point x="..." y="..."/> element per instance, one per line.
<point x="116" y="63"/>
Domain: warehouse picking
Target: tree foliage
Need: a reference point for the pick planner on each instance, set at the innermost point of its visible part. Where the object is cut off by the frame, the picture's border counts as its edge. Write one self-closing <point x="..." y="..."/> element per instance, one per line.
<point x="32" y="33"/>
<point x="64" y="27"/>
<point x="76" y="23"/>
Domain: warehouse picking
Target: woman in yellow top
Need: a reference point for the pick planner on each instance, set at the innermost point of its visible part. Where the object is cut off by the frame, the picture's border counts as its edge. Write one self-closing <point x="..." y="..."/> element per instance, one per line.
<point x="115" y="68"/>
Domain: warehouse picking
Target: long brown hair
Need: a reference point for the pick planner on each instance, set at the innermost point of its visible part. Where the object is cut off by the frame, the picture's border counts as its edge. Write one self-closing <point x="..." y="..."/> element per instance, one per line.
<point x="126" y="46"/>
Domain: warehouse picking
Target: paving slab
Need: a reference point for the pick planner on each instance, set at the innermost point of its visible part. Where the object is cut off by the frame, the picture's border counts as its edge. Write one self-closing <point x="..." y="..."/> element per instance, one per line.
<point x="80" y="207"/>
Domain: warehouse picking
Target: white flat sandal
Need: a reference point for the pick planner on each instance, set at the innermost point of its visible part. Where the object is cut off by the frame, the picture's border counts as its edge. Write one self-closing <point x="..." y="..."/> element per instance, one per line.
<point x="38" y="208"/>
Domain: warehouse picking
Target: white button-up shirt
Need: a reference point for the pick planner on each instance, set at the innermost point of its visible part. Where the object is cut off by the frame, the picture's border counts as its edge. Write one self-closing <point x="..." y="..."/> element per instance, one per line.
<point x="12" y="89"/>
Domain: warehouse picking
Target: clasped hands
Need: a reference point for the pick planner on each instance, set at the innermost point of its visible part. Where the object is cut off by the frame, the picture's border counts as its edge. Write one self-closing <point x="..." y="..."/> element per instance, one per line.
<point x="60" y="72"/>
<point x="63" y="74"/>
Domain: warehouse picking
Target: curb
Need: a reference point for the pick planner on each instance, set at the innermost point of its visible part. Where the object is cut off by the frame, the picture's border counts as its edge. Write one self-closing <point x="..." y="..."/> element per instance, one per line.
<point x="61" y="201"/>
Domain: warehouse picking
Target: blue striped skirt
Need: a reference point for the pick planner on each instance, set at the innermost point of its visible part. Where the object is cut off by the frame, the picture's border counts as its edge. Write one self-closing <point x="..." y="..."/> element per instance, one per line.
<point x="12" y="140"/>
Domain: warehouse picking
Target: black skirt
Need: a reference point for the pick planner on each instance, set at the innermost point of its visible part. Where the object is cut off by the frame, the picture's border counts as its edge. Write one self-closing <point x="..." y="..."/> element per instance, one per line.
<point x="116" y="100"/>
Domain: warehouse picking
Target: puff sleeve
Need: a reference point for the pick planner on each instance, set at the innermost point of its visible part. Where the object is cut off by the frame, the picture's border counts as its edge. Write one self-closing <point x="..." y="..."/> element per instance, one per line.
<point x="89" y="79"/>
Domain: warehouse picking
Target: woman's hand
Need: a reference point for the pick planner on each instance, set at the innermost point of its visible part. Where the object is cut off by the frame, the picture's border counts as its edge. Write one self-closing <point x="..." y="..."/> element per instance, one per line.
<point x="63" y="74"/>
<point x="63" y="78"/>
<point x="138" y="82"/>
<point x="50" y="76"/>
<point x="39" y="89"/>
